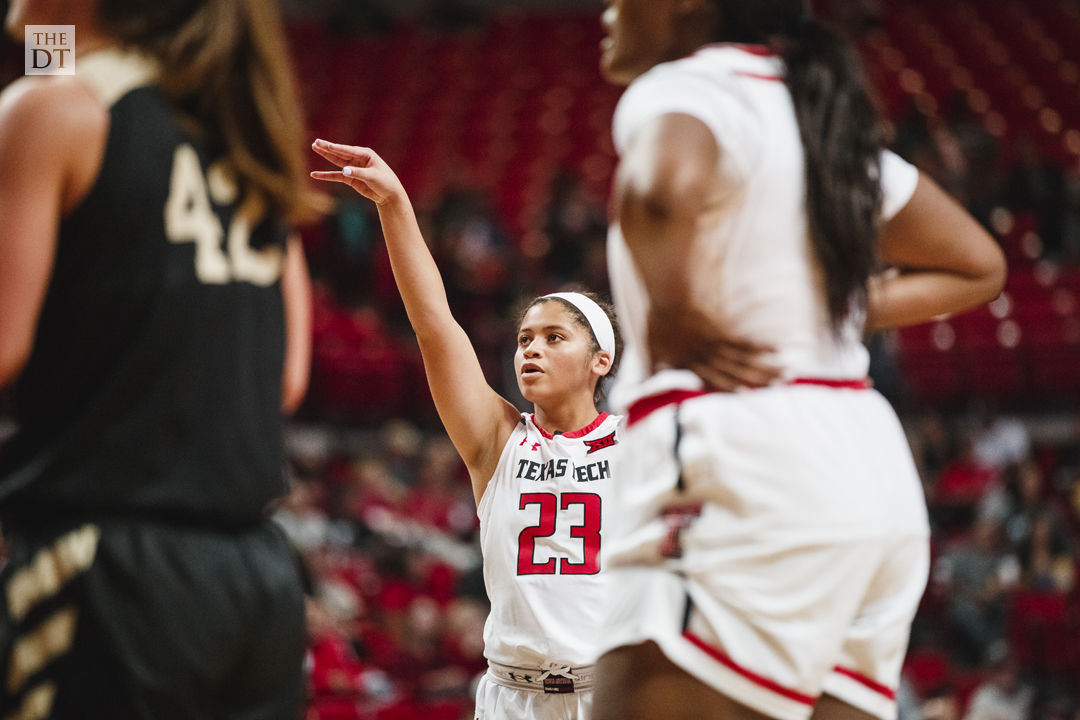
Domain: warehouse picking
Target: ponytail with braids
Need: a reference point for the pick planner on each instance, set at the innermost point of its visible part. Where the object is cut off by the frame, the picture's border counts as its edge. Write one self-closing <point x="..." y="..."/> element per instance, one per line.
<point x="842" y="141"/>
<point x="842" y="138"/>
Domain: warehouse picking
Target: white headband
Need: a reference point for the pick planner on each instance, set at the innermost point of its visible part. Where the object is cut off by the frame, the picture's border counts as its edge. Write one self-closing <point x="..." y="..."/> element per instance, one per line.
<point x="598" y="319"/>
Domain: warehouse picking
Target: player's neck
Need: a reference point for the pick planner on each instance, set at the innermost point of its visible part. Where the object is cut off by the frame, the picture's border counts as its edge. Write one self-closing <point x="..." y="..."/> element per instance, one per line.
<point x="566" y="417"/>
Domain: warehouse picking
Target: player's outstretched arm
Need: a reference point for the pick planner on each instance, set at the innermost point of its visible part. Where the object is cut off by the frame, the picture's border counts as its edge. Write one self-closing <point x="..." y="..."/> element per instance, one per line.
<point x="947" y="262"/>
<point x="477" y="419"/>
<point x="661" y="188"/>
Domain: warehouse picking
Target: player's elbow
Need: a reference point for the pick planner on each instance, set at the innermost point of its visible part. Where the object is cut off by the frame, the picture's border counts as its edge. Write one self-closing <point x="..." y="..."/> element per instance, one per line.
<point x="998" y="271"/>
<point x="294" y="389"/>
<point x="990" y="269"/>
<point x="13" y="358"/>
<point x="668" y="195"/>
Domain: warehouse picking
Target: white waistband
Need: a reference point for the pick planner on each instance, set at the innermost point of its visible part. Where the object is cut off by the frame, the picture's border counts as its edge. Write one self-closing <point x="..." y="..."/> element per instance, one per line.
<point x="533" y="678"/>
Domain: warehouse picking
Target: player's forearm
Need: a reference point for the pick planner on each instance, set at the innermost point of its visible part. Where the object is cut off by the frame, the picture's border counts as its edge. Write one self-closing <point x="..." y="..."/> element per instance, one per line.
<point x="896" y="300"/>
<point x="415" y="272"/>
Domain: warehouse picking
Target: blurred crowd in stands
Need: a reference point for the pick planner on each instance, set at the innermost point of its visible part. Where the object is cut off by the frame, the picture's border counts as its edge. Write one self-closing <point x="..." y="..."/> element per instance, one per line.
<point x="958" y="150"/>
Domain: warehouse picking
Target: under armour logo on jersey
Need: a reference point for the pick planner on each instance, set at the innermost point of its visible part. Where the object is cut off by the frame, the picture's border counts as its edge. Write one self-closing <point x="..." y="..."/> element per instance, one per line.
<point x="600" y="443"/>
<point x="535" y="445"/>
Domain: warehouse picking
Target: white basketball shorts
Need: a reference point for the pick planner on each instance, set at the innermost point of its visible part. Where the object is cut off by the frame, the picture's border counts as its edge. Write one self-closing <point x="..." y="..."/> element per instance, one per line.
<point x="774" y="543"/>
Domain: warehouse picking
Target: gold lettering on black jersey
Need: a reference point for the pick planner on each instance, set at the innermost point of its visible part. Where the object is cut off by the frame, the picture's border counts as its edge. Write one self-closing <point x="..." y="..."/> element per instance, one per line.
<point x="190" y="217"/>
<point x="51" y="569"/>
<point x="45" y="643"/>
<point x="37" y="705"/>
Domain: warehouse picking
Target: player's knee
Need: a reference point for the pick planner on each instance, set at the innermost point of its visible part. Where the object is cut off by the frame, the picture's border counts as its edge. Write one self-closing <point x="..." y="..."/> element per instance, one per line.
<point x="828" y="707"/>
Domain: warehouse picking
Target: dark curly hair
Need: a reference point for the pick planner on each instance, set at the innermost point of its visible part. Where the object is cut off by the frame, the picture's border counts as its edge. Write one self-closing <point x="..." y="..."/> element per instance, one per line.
<point x="842" y="137"/>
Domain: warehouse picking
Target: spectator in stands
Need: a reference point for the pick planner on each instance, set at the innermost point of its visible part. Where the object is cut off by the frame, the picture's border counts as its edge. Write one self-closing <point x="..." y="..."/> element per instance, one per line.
<point x="1037" y="184"/>
<point x="1036" y="522"/>
<point x="934" y="443"/>
<point x="574" y="224"/>
<point x="341" y="685"/>
<point x="977" y="573"/>
<point x="351" y="250"/>
<point x="1004" y="696"/>
<point x="1047" y="556"/>
<point x="440" y="496"/>
<point x="961" y="488"/>
<point x="300" y="516"/>
<point x="1001" y="439"/>
<point x="983" y="178"/>
<point x="941" y="704"/>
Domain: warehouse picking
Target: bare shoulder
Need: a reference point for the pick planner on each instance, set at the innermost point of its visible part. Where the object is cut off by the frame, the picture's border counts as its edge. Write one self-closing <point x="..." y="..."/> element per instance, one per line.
<point x="58" y="109"/>
<point x="53" y="129"/>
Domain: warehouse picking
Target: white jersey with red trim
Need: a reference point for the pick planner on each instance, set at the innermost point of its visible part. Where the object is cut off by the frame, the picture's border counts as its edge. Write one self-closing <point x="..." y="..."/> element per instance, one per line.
<point x="755" y="270"/>
<point x="542" y="521"/>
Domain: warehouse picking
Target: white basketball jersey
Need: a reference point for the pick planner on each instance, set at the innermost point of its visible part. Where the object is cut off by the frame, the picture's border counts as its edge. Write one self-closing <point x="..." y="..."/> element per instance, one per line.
<point x="542" y="524"/>
<point x="755" y="269"/>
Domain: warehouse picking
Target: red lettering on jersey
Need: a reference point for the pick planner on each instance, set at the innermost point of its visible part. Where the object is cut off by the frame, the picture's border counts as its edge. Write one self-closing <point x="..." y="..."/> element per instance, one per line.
<point x="535" y="447"/>
<point x="601" y="443"/>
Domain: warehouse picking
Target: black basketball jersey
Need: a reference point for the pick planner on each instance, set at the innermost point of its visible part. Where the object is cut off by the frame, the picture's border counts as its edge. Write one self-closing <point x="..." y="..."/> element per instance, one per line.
<point x="154" y="385"/>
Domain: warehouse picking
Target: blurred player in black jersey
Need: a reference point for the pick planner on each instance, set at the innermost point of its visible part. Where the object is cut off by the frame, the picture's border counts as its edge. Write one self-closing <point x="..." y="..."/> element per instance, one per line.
<point x="154" y="324"/>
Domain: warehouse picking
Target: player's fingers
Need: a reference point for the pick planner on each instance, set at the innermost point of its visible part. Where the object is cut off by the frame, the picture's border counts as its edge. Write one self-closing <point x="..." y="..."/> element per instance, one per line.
<point x="745" y="362"/>
<point x="339" y="159"/>
<point x="332" y="157"/>
<point x="714" y="379"/>
<point x="741" y="350"/>
<point x="332" y="153"/>
<point x="362" y="156"/>
<point x="342" y="155"/>
<point x="373" y="176"/>
<point x="753" y="377"/>
<point x="356" y="184"/>
<point x="742" y="345"/>
<point x="742" y="375"/>
<point x="330" y="175"/>
<point x="758" y="377"/>
<point x="732" y="353"/>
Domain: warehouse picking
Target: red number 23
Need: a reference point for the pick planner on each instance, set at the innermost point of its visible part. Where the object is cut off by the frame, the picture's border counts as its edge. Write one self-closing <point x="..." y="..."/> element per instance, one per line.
<point x="588" y="531"/>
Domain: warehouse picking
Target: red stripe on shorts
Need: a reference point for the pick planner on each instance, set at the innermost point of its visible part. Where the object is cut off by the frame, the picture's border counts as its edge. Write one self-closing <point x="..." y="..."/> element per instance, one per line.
<point x="749" y="674"/>
<point x="644" y="407"/>
<point x="867" y="682"/>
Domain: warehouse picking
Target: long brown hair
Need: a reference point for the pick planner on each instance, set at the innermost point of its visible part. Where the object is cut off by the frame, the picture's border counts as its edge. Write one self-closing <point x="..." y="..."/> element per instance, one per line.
<point x="226" y="67"/>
